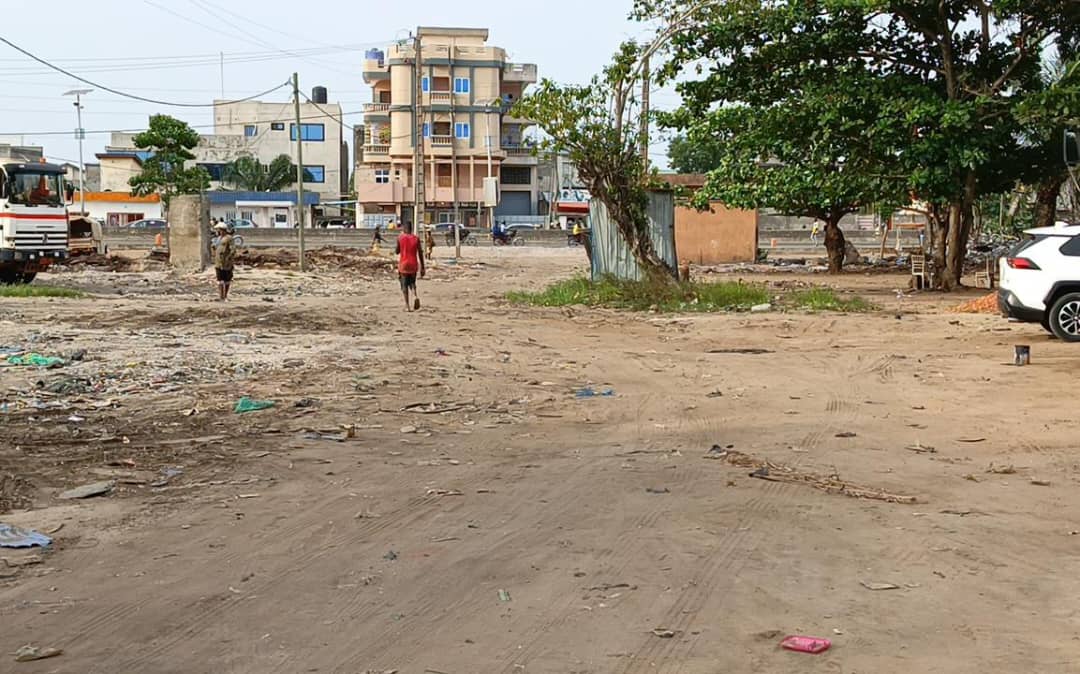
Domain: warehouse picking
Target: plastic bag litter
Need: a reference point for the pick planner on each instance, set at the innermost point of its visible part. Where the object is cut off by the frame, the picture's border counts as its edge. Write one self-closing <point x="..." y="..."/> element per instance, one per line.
<point x="589" y="392"/>
<point x="246" y="404"/>
<point x="14" y="537"/>
<point x="36" y="360"/>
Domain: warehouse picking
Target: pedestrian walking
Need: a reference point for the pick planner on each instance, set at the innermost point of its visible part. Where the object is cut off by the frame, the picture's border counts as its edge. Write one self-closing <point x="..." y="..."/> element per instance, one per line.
<point x="224" y="260"/>
<point x="410" y="261"/>
<point x="815" y="231"/>
<point x="376" y="239"/>
<point x="429" y="242"/>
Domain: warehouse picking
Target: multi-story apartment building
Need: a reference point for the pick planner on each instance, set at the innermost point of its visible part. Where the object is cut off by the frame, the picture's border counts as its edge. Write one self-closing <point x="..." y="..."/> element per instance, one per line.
<point x="259" y="129"/>
<point x="467" y="133"/>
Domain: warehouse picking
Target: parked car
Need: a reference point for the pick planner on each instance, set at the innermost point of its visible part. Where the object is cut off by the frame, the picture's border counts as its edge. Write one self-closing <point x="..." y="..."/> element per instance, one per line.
<point x="242" y="223"/>
<point x="1040" y="280"/>
<point x="521" y="227"/>
<point x="149" y="223"/>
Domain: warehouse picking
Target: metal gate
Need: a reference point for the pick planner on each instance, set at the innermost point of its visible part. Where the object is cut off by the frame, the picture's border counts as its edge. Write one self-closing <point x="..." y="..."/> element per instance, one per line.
<point x="611" y="255"/>
<point x="514" y="203"/>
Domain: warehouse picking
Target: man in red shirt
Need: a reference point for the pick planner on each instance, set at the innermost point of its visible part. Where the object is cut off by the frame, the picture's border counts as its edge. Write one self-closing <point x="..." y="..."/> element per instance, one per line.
<point x="410" y="261"/>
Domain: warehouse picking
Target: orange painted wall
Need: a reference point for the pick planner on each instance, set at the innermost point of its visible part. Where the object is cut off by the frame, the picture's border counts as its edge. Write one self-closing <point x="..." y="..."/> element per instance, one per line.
<point x="721" y="236"/>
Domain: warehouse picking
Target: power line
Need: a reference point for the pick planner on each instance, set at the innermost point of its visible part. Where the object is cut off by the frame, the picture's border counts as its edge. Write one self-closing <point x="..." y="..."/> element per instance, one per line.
<point x="127" y="95"/>
<point x="327" y="49"/>
<point x="194" y="126"/>
<point x="351" y="129"/>
<point x="208" y="7"/>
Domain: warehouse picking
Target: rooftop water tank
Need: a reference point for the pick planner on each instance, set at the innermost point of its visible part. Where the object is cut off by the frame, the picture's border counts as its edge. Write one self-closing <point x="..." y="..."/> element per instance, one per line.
<point x="318" y="95"/>
<point x="375" y="55"/>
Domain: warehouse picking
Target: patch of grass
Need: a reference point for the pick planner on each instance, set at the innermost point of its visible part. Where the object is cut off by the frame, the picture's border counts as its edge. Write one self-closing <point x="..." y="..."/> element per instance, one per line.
<point x="826" y="299"/>
<point x="30" y="290"/>
<point x="646" y="296"/>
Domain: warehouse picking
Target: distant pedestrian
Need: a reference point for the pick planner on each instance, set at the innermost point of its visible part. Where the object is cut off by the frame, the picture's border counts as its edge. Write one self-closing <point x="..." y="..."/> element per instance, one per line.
<point x="429" y="243"/>
<point x="410" y="261"/>
<point x="815" y="231"/>
<point x="224" y="260"/>
<point x="376" y="239"/>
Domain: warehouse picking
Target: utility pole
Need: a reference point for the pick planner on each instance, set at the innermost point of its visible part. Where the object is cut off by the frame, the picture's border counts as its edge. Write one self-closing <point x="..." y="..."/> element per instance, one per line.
<point x="646" y="83"/>
<point x="418" y="123"/>
<point x="80" y="134"/>
<point x="453" y="153"/>
<point x="299" y="171"/>
<point x="487" y="141"/>
<point x="222" y="75"/>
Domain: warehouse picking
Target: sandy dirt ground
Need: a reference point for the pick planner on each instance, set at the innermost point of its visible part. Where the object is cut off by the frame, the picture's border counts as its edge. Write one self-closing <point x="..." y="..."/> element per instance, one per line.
<point x="429" y="494"/>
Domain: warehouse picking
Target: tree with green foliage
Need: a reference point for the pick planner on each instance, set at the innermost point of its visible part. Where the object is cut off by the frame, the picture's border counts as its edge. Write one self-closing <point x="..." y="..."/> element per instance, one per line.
<point x="694" y="156"/>
<point x="598" y="126"/>
<point x="170" y="141"/>
<point x="941" y="90"/>
<point x="804" y="136"/>
<point x="248" y="173"/>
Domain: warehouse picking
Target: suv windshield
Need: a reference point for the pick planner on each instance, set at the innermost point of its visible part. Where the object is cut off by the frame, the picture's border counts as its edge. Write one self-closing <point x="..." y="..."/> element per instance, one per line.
<point x="35" y="189"/>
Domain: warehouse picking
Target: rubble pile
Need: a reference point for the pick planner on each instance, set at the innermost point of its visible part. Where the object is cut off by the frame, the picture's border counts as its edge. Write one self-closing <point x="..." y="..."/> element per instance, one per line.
<point x="99" y="261"/>
<point x="327" y="258"/>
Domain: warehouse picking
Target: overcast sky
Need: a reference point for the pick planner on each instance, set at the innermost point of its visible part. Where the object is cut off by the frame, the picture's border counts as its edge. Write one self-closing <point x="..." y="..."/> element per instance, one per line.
<point x="168" y="50"/>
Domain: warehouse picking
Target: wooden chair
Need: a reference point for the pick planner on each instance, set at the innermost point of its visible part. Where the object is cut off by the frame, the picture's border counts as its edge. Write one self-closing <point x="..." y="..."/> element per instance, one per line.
<point x="920" y="271"/>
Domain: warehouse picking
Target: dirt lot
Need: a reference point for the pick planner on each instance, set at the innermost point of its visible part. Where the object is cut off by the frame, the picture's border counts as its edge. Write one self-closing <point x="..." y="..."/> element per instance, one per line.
<point x="430" y="495"/>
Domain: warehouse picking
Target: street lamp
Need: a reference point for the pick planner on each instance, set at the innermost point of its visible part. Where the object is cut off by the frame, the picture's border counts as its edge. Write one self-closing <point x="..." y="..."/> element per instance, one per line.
<point x="80" y="135"/>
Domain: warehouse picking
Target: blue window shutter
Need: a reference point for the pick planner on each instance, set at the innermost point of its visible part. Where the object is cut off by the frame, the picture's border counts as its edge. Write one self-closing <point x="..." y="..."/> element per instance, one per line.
<point x="427" y="130"/>
<point x="425" y="84"/>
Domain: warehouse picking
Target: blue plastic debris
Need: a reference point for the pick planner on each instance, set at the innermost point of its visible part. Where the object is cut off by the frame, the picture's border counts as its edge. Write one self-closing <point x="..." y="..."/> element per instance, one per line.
<point x="14" y="537"/>
<point x="589" y="392"/>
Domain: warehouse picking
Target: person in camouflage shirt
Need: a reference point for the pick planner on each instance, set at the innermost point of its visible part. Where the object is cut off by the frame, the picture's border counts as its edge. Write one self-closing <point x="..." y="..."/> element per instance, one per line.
<point x="224" y="260"/>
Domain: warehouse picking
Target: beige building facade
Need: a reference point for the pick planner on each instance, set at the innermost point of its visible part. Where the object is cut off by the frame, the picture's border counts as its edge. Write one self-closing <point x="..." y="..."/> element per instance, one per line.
<point x="467" y="133"/>
<point x="259" y="129"/>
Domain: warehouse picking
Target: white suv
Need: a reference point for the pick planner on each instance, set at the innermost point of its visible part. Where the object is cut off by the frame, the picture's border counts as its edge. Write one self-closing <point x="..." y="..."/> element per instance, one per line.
<point x="1040" y="280"/>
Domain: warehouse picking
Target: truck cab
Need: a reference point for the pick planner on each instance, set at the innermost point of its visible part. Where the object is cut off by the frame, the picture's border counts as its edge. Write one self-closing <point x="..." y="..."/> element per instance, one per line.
<point x="33" y="220"/>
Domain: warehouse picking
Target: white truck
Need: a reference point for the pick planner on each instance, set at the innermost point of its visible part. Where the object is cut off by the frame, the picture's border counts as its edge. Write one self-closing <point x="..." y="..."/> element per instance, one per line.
<point x="33" y="220"/>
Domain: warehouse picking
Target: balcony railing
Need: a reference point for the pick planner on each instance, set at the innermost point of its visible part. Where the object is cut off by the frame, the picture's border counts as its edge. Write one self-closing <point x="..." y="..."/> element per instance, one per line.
<point x="442" y="141"/>
<point x="376" y="107"/>
<point x="518" y="150"/>
<point x="377" y="148"/>
<point x="440" y="97"/>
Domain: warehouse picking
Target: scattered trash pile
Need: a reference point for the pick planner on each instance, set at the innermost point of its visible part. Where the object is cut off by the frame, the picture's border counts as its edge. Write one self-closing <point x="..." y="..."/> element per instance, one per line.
<point x="328" y="258"/>
<point x="775" y="472"/>
<point x="97" y="260"/>
<point x="982" y="305"/>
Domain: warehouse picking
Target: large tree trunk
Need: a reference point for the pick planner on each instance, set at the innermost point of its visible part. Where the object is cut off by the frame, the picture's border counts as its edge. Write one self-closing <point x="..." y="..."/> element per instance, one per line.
<point x="962" y="219"/>
<point x="835" y="245"/>
<point x="939" y="235"/>
<point x="1046" y="200"/>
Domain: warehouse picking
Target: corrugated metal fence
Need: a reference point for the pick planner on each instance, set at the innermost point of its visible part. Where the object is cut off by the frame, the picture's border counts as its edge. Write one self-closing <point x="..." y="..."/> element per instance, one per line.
<point x="611" y="255"/>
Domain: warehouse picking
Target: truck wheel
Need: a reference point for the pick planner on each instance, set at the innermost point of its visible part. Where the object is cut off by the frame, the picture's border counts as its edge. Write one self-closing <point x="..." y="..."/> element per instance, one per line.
<point x="27" y="277"/>
<point x="1065" y="318"/>
<point x="10" y="277"/>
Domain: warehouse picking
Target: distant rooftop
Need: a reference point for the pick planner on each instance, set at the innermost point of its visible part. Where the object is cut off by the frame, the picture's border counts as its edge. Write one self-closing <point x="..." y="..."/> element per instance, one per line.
<point x="426" y="31"/>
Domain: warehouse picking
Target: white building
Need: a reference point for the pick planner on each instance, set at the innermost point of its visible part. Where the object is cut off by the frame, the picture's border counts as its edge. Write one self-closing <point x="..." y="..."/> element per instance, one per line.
<point x="253" y="128"/>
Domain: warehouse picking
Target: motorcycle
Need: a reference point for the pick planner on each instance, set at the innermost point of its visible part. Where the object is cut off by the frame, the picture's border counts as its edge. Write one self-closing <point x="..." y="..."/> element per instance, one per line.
<point x="510" y="238"/>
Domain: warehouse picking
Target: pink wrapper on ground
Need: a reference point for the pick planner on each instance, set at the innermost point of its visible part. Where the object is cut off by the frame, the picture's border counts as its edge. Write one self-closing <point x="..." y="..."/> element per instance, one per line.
<point x="806" y="644"/>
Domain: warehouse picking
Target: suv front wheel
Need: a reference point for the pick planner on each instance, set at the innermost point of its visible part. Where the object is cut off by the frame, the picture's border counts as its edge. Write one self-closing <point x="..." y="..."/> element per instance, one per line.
<point x="1065" y="318"/>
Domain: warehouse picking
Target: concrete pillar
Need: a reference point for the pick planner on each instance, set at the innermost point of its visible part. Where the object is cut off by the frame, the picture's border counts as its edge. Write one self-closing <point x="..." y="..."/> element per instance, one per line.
<point x="189" y="240"/>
